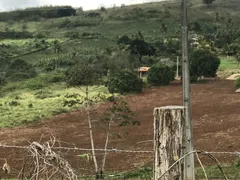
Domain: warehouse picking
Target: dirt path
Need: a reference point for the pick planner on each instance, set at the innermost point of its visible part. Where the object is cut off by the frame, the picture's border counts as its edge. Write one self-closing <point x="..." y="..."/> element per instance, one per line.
<point x="216" y="122"/>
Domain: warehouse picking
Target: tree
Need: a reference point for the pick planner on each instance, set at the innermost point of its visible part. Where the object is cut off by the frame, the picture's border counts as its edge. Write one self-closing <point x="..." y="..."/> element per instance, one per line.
<point x="118" y="113"/>
<point x="84" y="75"/>
<point x="137" y="46"/>
<point x="208" y="2"/>
<point x="160" y="74"/>
<point x="124" y="81"/>
<point x="203" y="63"/>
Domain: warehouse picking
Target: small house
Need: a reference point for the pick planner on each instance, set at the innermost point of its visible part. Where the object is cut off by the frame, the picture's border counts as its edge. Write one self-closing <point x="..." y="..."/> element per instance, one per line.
<point x="142" y="71"/>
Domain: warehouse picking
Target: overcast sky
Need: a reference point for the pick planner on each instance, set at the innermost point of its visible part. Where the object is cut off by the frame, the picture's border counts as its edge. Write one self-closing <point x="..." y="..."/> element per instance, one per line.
<point x="86" y="4"/>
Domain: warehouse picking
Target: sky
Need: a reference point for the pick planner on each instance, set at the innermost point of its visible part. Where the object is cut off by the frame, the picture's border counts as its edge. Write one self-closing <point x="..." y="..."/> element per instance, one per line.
<point x="86" y="4"/>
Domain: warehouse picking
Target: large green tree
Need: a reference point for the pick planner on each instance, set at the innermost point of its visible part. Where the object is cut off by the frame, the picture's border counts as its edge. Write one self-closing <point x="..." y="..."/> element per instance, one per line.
<point x="137" y="46"/>
<point x="124" y="81"/>
<point x="203" y="63"/>
<point x="160" y="74"/>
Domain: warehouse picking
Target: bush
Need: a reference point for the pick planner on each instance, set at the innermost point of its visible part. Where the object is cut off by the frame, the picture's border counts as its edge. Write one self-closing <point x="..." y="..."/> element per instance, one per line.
<point x="56" y="78"/>
<point x="160" y="74"/>
<point x="20" y="69"/>
<point x="203" y="63"/>
<point x="72" y="35"/>
<point x="14" y="103"/>
<point x="64" y="23"/>
<point x="238" y="82"/>
<point x="35" y="84"/>
<point x="124" y="81"/>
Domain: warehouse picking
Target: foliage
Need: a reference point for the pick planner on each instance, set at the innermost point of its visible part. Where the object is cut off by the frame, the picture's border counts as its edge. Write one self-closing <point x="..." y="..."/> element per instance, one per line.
<point x="238" y="83"/>
<point x="203" y="63"/>
<point x="15" y="34"/>
<point x="137" y="45"/>
<point x="19" y="69"/>
<point x="83" y="74"/>
<point x="35" y="13"/>
<point x="116" y="61"/>
<point x="48" y="64"/>
<point x="208" y="2"/>
<point x="160" y="74"/>
<point x="84" y="21"/>
<point x="231" y="49"/>
<point x="36" y="104"/>
<point x="119" y="111"/>
<point x="124" y="81"/>
<point x="72" y="34"/>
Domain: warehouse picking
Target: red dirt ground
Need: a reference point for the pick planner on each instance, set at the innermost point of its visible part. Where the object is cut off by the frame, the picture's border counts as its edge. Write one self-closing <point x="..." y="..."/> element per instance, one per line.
<point x="216" y="122"/>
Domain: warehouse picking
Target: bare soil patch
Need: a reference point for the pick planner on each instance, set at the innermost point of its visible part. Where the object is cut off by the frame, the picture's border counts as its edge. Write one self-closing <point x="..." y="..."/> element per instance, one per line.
<point x="216" y="123"/>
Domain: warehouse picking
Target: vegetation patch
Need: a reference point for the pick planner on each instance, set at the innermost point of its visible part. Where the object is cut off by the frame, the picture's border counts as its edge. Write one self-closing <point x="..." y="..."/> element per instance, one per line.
<point x="24" y="106"/>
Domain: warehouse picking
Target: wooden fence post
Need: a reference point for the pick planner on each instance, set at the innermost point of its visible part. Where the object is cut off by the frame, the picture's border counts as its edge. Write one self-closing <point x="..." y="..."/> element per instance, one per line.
<point x="168" y="140"/>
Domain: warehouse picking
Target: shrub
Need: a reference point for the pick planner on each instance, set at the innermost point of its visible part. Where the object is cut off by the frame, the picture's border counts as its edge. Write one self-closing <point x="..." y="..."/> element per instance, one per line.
<point x="203" y="63"/>
<point x="55" y="78"/>
<point x="14" y="103"/>
<point x="40" y="35"/>
<point x="238" y="82"/>
<point x="20" y="69"/>
<point x="160" y="74"/>
<point x="35" y="84"/>
<point x="64" y="23"/>
<point x="72" y="35"/>
<point x="124" y="81"/>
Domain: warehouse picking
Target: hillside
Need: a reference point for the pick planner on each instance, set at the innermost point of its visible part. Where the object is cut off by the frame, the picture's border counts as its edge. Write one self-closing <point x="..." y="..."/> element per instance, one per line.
<point x="61" y="66"/>
<point x="44" y="43"/>
<point x="103" y="27"/>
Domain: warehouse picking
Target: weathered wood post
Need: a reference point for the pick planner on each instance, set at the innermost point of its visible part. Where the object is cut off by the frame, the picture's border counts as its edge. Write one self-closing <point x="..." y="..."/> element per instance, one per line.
<point x="168" y="140"/>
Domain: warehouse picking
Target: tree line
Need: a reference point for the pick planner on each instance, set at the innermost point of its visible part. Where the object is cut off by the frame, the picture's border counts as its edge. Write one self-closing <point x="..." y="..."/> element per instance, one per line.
<point x="33" y="14"/>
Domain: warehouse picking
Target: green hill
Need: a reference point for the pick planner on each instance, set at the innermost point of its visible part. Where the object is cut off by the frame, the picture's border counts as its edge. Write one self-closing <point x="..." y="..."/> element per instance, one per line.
<point x="45" y="36"/>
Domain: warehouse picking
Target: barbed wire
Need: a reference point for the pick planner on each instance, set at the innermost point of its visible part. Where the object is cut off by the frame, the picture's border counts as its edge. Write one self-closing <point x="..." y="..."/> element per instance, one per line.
<point x="113" y="150"/>
<point x="81" y="149"/>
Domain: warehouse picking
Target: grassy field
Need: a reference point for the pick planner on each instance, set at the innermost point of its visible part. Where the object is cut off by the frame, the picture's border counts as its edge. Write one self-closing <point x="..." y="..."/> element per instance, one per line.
<point x="228" y="63"/>
<point x="32" y="100"/>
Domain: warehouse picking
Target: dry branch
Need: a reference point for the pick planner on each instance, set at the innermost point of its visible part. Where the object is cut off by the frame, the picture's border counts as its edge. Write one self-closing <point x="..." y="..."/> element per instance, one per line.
<point x="46" y="163"/>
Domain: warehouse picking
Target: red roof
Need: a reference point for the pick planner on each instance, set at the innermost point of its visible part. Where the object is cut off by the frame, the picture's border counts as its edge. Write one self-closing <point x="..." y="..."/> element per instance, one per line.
<point x="143" y="69"/>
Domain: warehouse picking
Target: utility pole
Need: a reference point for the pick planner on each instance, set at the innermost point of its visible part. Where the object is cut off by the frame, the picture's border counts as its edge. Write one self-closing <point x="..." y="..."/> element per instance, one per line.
<point x="177" y="74"/>
<point x="189" y="166"/>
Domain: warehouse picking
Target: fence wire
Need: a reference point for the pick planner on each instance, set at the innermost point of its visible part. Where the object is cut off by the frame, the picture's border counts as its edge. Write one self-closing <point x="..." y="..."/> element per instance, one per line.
<point x="121" y="151"/>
